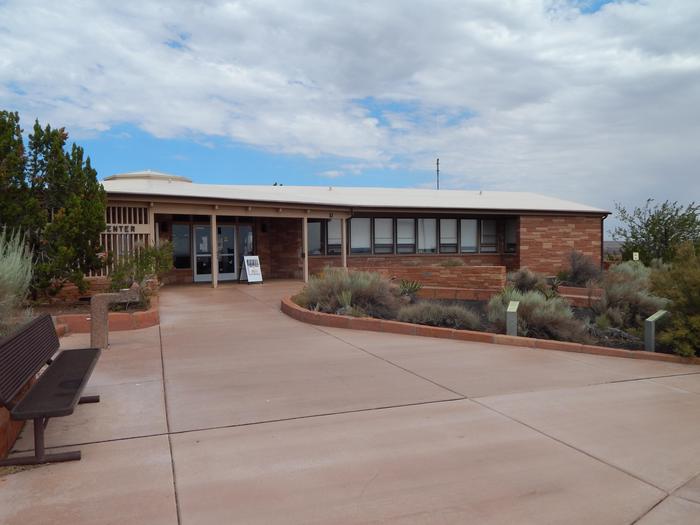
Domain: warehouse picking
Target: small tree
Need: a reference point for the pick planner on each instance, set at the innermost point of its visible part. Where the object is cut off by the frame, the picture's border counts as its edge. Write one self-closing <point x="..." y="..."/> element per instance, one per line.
<point x="657" y="231"/>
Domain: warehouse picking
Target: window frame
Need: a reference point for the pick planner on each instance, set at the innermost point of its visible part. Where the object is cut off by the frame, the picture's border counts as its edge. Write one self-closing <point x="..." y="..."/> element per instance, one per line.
<point x="399" y="246"/>
<point x="485" y="247"/>
<point x="352" y="250"/>
<point x="391" y="247"/>
<point x="439" y="237"/>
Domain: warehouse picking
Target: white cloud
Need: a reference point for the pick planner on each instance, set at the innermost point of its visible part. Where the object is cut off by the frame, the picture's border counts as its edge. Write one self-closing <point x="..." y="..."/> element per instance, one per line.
<point x="517" y="94"/>
<point x="331" y="174"/>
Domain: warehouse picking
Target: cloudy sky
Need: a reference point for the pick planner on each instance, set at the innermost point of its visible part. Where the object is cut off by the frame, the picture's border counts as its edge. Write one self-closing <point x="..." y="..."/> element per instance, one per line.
<point x="593" y="100"/>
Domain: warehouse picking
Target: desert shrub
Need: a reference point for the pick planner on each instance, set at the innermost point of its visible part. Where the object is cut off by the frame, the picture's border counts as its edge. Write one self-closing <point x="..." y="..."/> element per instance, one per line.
<point x="526" y="280"/>
<point x="627" y="298"/>
<point x="15" y="278"/>
<point x="356" y="293"/>
<point x="538" y="315"/>
<point x="409" y="288"/>
<point x="144" y="264"/>
<point x="437" y="314"/>
<point x="680" y="282"/>
<point x="582" y="269"/>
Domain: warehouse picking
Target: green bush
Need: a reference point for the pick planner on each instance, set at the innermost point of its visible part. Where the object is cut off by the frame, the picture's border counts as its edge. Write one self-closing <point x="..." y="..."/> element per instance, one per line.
<point x="526" y="280"/>
<point x="437" y="314"/>
<point x="349" y="292"/>
<point x="538" y="315"/>
<point x="627" y="298"/>
<point x="680" y="282"/>
<point x="582" y="270"/>
<point x="15" y="278"/>
<point x="140" y="266"/>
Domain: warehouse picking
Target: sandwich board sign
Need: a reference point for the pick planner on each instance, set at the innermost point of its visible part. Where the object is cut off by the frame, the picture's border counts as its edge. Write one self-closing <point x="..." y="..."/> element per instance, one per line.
<point x="252" y="269"/>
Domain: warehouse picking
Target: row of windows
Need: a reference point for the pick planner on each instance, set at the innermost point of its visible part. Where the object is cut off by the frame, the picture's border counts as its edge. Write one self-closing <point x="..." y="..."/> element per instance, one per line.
<point x="405" y="236"/>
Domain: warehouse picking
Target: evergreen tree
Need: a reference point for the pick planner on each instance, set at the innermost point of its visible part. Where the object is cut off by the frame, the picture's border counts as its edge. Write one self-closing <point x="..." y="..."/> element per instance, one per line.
<point x="55" y="195"/>
<point x="19" y="209"/>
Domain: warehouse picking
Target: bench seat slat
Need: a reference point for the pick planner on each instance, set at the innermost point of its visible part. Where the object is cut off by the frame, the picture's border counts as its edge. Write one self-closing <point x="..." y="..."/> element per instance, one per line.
<point x="58" y="389"/>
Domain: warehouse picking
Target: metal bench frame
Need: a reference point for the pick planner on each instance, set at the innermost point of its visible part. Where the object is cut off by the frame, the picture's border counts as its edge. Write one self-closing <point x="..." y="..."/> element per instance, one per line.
<point x="55" y="393"/>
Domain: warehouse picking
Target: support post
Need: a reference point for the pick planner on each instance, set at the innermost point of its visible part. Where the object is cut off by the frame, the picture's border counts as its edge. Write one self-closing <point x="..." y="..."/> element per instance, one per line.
<point x="214" y="253"/>
<point x="344" y="241"/>
<point x="152" y="240"/>
<point x="512" y="318"/>
<point x="305" y="247"/>
<point x="650" y="330"/>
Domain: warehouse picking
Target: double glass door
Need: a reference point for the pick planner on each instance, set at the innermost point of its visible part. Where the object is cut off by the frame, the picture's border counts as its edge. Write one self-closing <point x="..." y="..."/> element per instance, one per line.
<point x="226" y="250"/>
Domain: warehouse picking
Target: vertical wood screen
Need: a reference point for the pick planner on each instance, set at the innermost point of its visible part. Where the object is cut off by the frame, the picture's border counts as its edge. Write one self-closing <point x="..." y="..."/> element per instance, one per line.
<point x="128" y="230"/>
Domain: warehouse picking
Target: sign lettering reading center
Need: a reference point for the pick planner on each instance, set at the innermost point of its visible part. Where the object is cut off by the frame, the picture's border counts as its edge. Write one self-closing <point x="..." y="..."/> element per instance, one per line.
<point x="253" y="270"/>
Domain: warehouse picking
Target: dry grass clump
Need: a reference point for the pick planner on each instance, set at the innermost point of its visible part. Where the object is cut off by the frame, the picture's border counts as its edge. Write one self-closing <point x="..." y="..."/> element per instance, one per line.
<point x="582" y="270"/>
<point x="538" y="315"/>
<point x="436" y="314"/>
<point x="525" y="280"/>
<point x="337" y="291"/>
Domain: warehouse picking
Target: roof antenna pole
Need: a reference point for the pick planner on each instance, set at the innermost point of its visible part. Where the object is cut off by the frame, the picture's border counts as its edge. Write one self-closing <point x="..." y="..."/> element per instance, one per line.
<point x="438" y="173"/>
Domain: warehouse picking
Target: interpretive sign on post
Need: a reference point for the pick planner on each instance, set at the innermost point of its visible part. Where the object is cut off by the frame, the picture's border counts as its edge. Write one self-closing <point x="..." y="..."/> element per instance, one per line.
<point x="252" y="269"/>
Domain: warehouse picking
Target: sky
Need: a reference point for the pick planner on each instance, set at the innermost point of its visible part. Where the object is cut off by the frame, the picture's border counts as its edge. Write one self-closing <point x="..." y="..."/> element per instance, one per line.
<point x="591" y="100"/>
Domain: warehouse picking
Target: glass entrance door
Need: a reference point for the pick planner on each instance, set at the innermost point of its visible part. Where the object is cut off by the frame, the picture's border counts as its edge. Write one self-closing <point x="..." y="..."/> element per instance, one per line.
<point x="226" y="241"/>
<point x="202" y="253"/>
<point x="226" y="249"/>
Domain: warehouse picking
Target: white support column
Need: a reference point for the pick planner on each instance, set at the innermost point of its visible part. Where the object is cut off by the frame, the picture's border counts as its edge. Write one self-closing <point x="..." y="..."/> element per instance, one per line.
<point x="344" y="241"/>
<point x="214" y="253"/>
<point x="152" y="224"/>
<point x="305" y="247"/>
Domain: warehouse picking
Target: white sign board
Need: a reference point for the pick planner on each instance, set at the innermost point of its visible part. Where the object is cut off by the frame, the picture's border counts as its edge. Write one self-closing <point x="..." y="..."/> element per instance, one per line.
<point x="635" y="256"/>
<point x="253" y="271"/>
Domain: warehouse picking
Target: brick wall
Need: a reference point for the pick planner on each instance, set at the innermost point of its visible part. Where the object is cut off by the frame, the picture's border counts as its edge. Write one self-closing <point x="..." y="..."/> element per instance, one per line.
<point x="546" y="241"/>
<point x="425" y="270"/>
<point x="279" y="247"/>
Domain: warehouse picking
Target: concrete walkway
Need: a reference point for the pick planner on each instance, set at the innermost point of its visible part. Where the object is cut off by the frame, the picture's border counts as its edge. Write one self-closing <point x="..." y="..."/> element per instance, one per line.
<point x="231" y="412"/>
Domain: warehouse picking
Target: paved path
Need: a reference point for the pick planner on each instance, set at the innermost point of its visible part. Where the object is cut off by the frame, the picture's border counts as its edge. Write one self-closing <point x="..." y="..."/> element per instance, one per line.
<point x="231" y="412"/>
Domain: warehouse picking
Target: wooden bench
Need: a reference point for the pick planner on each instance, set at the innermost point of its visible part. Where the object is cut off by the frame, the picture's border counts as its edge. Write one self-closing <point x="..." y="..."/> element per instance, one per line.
<point x="54" y="394"/>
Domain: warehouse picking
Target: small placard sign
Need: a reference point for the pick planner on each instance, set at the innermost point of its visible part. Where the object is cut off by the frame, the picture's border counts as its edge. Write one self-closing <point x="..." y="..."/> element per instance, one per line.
<point x="253" y="271"/>
<point x="635" y="256"/>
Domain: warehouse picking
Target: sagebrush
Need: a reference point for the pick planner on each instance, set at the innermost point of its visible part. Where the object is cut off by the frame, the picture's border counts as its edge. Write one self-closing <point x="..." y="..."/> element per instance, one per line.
<point x="15" y="278"/>
<point x="627" y="297"/>
<point x="437" y="314"/>
<point x="538" y="315"/>
<point x="337" y="291"/>
<point x="526" y="280"/>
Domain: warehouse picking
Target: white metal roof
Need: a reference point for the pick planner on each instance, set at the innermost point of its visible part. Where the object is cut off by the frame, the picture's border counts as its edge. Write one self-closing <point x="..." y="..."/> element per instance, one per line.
<point x="157" y="184"/>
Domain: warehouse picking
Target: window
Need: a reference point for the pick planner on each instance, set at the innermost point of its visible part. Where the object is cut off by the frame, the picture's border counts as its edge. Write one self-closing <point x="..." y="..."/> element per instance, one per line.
<point x="360" y="236"/>
<point x="405" y="236"/>
<point x="427" y="235"/>
<point x="448" y="235"/>
<point x="468" y="235"/>
<point x="511" y="235"/>
<point x="383" y="236"/>
<point x="315" y="239"/>
<point x="181" y="246"/>
<point x="489" y="236"/>
<point x="335" y="241"/>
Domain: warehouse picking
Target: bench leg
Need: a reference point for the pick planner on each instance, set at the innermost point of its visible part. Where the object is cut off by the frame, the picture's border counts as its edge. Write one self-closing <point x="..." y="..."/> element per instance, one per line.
<point x="40" y="455"/>
<point x="89" y="399"/>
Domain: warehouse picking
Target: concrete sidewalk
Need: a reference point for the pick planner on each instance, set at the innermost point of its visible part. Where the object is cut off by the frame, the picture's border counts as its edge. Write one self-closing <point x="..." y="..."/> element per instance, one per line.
<point x="231" y="412"/>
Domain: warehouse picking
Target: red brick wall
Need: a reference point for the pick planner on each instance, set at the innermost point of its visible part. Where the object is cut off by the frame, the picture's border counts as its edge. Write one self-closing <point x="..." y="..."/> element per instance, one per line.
<point x="69" y="293"/>
<point x="547" y="241"/>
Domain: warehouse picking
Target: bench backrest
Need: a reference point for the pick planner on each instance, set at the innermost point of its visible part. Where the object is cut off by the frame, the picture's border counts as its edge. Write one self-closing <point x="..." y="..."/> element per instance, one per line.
<point x="23" y="353"/>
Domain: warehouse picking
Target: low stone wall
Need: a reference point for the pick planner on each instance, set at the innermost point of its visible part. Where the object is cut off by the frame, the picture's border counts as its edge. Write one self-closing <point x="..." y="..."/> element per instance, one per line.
<point x="295" y="311"/>
<point x="118" y="321"/>
<point x="69" y="293"/>
<point x="579" y="296"/>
